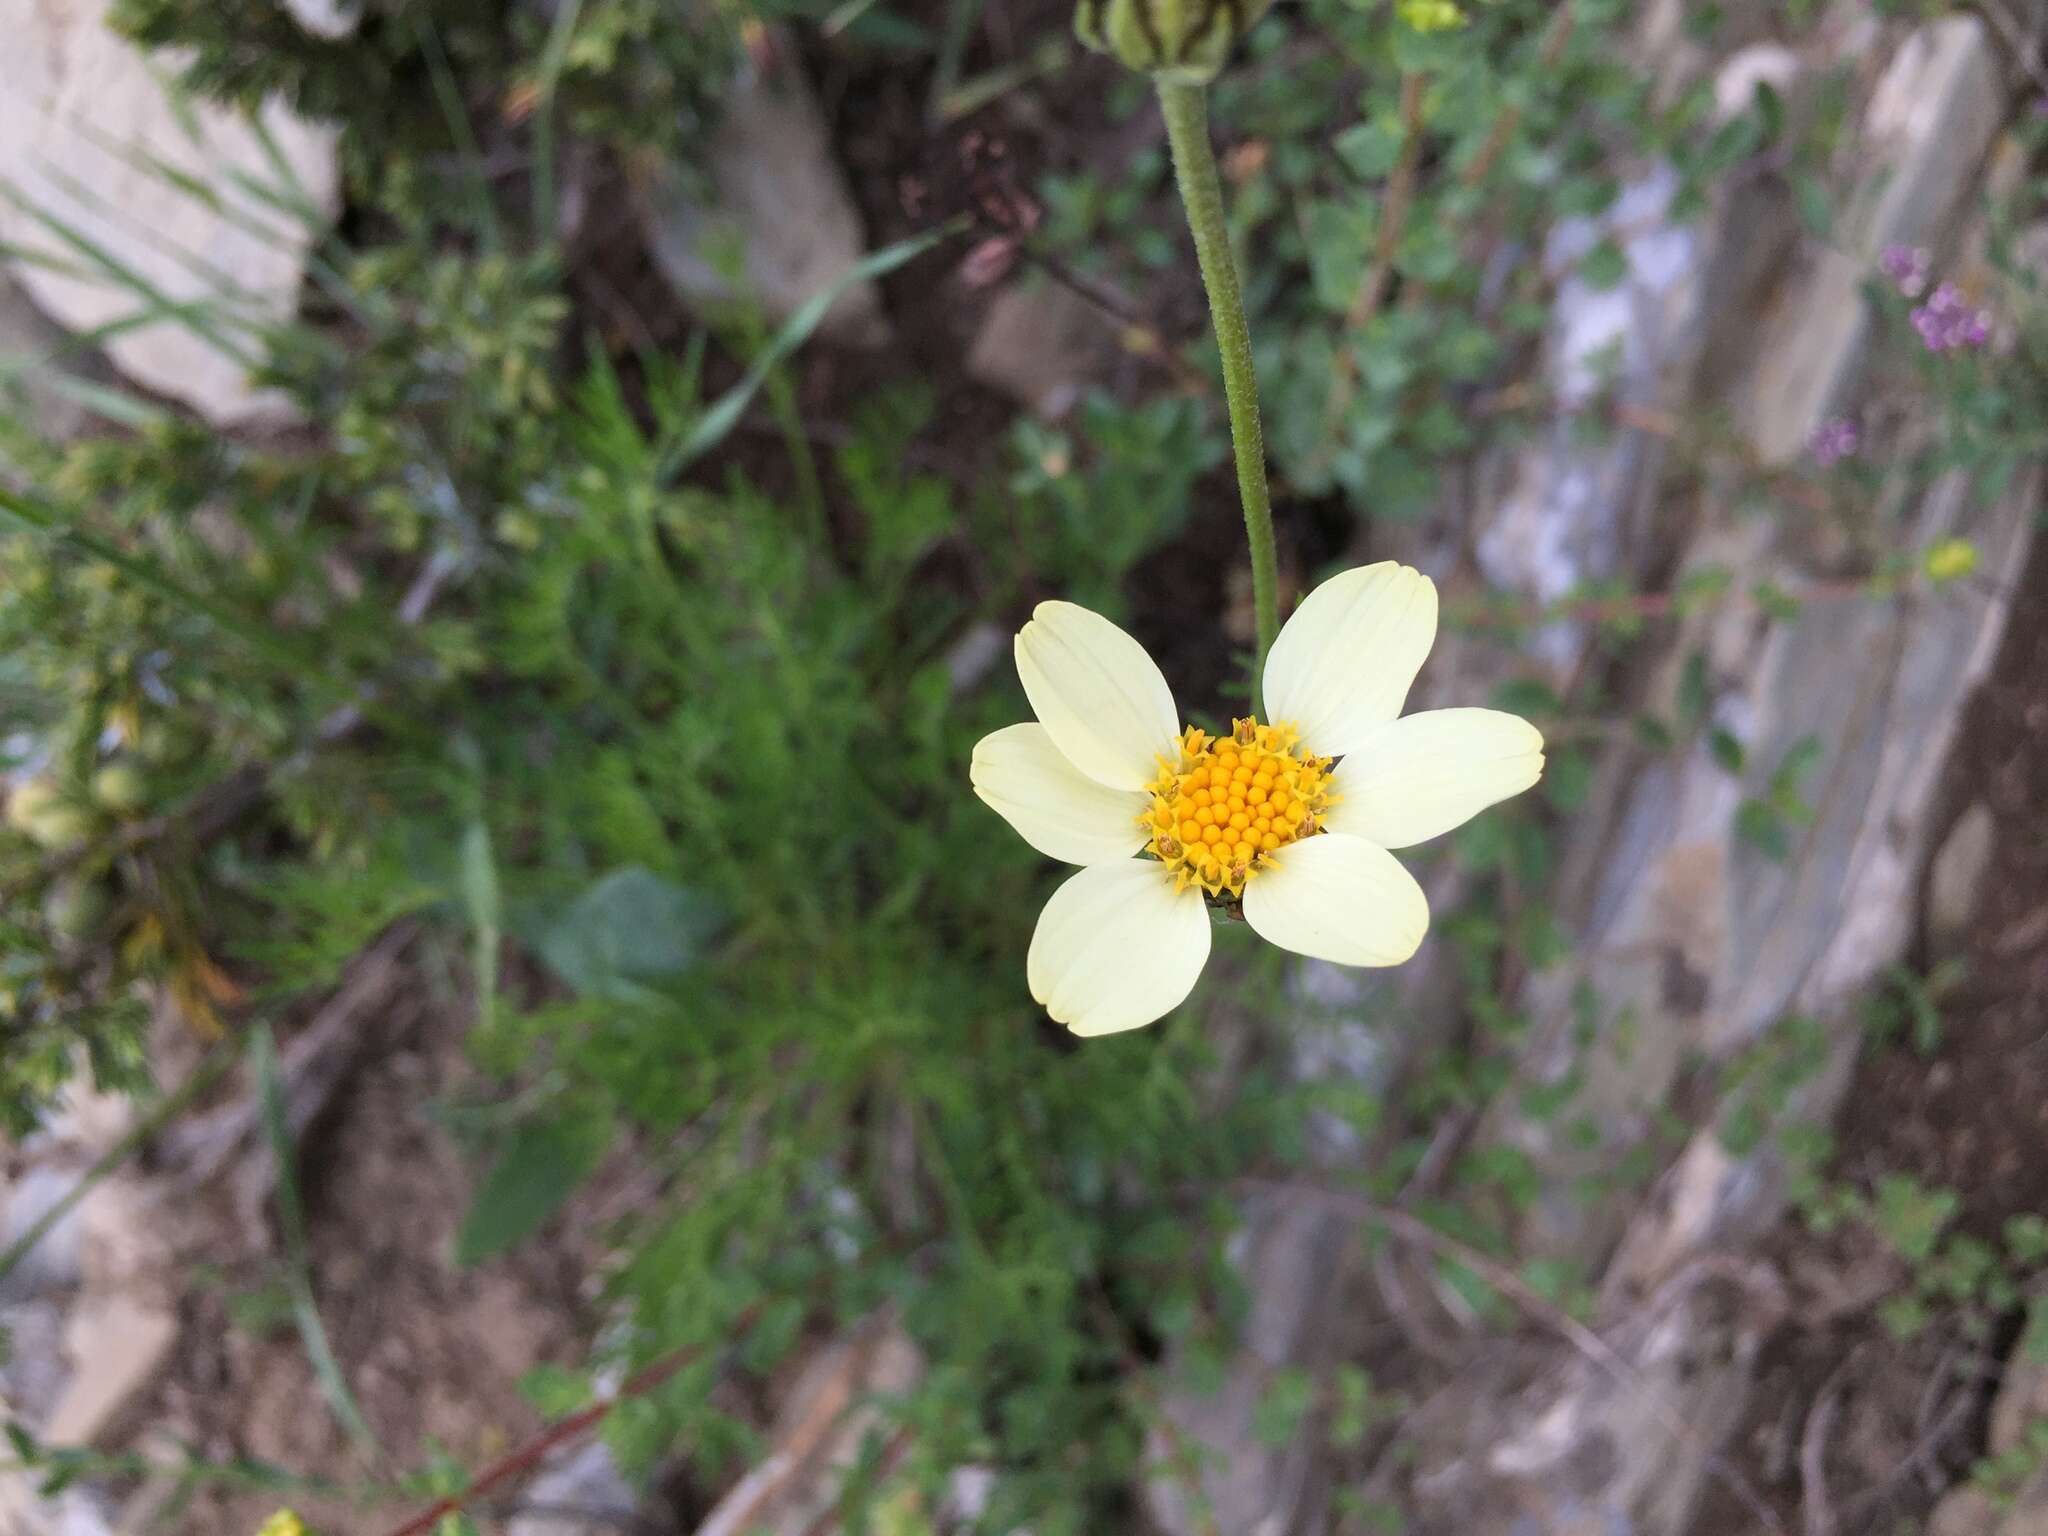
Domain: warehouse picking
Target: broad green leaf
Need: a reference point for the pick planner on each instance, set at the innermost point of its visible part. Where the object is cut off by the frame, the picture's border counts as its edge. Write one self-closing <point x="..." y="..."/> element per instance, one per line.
<point x="630" y="928"/>
<point x="538" y="1171"/>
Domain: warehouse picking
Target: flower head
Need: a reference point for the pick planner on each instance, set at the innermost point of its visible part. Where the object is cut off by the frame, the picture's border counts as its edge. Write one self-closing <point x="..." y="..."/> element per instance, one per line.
<point x="1906" y="266"/>
<point x="1834" y="441"/>
<point x="1948" y="322"/>
<point x="1288" y="821"/>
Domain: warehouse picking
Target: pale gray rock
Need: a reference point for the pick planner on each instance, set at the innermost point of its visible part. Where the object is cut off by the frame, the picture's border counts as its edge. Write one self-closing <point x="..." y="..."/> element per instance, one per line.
<point x="33" y="351"/>
<point x="1925" y="132"/>
<point x="583" y="1493"/>
<point x="1292" y="1257"/>
<point x="1040" y="343"/>
<point x="88" y="126"/>
<point x="332" y="19"/>
<point x="780" y="220"/>
<point x="1955" y="880"/>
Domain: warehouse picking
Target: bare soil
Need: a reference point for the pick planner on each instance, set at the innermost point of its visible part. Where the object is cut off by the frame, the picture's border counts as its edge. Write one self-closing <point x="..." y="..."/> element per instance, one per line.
<point x="432" y="1352"/>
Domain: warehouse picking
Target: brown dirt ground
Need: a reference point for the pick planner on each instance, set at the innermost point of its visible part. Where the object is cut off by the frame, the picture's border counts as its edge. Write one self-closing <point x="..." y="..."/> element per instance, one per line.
<point x="433" y="1352"/>
<point x="1971" y="1117"/>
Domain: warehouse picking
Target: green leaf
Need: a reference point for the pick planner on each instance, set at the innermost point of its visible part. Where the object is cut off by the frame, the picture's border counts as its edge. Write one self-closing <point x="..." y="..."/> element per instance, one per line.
<point x="1694" y="691"/>
<point x="554" y="1392"/>
<point x="1727" y="749"/>
<point x="1286" y="1401"/>
<point x="1911" y="1217"/>
<point x="1370" y="149"/>
<point x="479" y="881"/>
<point x="1759" y="825"/>
<point x="630" y="928"/>
<point x="1528" y="696"/>
<point x="2026" y="1239"/>
<point x="536" y="1173"/>
<point x="1605" y="266"/>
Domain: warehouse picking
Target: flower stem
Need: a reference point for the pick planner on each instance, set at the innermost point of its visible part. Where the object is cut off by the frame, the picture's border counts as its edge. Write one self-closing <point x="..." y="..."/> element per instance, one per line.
<point x="1186" y="108"/>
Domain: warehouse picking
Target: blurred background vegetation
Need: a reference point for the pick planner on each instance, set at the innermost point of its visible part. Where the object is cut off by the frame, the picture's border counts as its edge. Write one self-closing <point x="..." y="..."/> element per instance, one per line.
<point x="583" y="617"/>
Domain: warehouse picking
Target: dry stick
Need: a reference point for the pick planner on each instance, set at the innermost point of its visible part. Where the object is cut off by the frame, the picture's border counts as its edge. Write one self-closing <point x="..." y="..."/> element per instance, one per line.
<point x="892" y="1458"/>
<point x="745" y="1507"/>
<point x="1816" y="1512"/>
<point x="536" y="1450"/>
<point x="1540" y="1309"/>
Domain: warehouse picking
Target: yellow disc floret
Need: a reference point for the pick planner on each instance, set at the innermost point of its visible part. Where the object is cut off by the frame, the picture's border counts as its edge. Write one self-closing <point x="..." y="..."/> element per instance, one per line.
<point x="1230" y="804"/>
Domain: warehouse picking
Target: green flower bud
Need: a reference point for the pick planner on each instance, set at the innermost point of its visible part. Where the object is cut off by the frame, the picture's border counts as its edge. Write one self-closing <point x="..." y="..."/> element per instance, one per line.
<point x="1183" y="41"/>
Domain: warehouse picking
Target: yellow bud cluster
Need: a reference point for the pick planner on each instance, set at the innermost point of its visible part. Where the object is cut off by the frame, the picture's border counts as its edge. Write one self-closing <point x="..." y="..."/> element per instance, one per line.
<point x="1430" y="15"/>
<point x="1229" y="804"/>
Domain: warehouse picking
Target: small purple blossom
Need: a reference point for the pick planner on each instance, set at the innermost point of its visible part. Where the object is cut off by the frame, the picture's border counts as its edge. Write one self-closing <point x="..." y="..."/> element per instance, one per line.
<point x="1906" y="266"/>
<point x="1948" y="322"/>
<point x="1833" y="441"/>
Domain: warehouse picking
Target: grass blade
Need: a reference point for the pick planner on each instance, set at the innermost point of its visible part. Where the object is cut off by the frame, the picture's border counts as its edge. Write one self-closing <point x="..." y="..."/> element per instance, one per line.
<point x="713" y="426"/>
<point x="552" y="61"/>
<point x="291" y="1219"/>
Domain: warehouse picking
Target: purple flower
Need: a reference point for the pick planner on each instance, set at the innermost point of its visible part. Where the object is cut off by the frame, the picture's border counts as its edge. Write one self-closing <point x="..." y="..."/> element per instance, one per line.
<point x="1948" y="322"/>
<point x="1833" y="441"/>
<point x="1906" y="266"/>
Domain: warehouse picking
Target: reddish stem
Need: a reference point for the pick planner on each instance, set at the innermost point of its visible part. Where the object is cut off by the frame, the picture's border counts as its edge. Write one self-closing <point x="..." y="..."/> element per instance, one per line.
<point x="535" y="1451"/>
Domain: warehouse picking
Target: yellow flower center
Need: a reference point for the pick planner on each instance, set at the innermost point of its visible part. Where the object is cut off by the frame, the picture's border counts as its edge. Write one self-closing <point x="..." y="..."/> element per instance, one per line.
<point x="1230" y="803"/>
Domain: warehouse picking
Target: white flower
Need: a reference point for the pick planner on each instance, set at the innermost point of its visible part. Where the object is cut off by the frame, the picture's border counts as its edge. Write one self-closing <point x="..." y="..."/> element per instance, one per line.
<point x="1292" y="819"/>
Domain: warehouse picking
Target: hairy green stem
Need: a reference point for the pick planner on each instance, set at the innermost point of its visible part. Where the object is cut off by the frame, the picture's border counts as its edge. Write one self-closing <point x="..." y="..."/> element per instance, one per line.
<point x="1186" y="108"/>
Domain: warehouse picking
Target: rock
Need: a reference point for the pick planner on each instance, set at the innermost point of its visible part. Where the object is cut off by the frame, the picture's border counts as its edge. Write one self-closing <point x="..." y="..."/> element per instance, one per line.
<point x="325" y="18"/>
<point x="33" y="349"/>
<point x="1955" y="880"/>
<point x="1291" y="1258"/>
<point x="974" y="655"/>
<point x="1926" y="130"/>
<point x="1565" y="509"/>
<point x="82" y="114"/>
<point x="124" y="1320"/>
<point x="1040" y="343"/>
<point x="587" y="1481"/>
<point x="1747" y="70"/>
<point x="117" y="1344"/>
<point x="782" y="215"/>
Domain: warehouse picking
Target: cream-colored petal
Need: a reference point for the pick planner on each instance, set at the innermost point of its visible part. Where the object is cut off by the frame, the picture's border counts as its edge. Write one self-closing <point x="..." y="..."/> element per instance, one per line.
<point x="1096" y="691"/>
<point x="1117" y="947"/>
<point x="1054" y="806"/>
<point x="1344" y="660"/>
<point x="1418" y="777"/>
<point x="1338" y="898"/>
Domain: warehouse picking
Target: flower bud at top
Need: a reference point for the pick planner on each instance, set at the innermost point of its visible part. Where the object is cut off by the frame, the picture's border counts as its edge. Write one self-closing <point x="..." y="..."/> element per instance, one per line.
<point x="1183" y="41"/>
